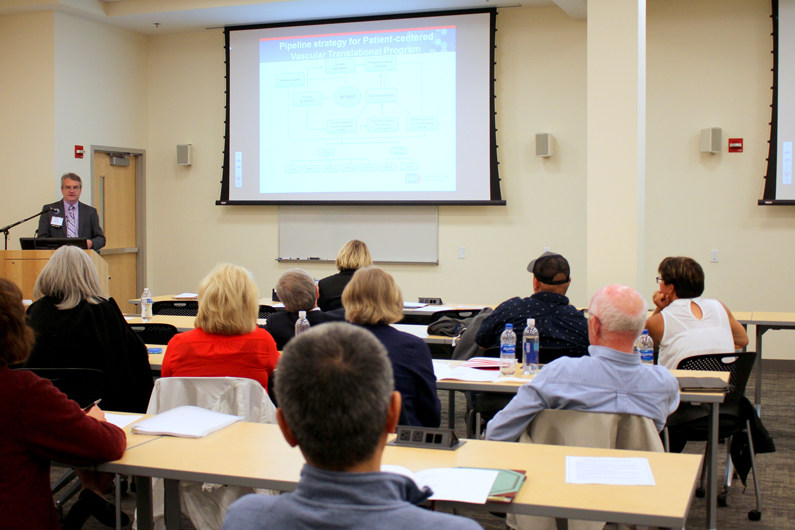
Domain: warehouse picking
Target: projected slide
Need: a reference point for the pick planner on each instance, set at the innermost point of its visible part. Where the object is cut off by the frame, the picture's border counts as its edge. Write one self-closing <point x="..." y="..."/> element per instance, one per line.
<point x="358" y="112"/>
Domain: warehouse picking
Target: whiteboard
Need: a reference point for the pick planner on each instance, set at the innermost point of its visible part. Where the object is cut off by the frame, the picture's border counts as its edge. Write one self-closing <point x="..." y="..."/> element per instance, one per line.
<point x="397" y="234"/>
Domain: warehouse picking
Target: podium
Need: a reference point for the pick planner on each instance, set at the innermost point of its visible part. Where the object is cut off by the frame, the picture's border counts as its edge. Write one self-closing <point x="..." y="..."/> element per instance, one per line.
<point x="23" y="267"/>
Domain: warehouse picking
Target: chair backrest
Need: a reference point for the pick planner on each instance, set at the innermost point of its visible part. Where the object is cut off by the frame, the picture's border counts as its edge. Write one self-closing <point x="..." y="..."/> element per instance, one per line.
<point x="739" y="366"/>
<point x="593" y="429"/>
<point x="83" y="385"/>
<point x="265" y="310"/>
<point x="231" y="395"/>
<point x="172" y="307"/>
<point x="454" y="313"/>
<point x="154" y="333"/>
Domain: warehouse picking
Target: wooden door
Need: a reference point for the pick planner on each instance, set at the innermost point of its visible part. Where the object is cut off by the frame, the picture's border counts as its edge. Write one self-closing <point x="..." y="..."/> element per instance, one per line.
<point x="115" y="198"/>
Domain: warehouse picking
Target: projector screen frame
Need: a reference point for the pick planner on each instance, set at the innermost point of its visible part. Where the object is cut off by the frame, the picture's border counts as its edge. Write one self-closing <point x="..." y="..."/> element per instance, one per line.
<point x="494" y="178"/>
<point x="771" y="176"/>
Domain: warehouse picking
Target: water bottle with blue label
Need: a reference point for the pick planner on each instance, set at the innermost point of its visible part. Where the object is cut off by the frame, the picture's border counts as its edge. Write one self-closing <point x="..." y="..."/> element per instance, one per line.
<point x="644" y="346"/>
<point x="508" y="351"/>
<point x="530" y="342"/>
<point x="146" y="305"/>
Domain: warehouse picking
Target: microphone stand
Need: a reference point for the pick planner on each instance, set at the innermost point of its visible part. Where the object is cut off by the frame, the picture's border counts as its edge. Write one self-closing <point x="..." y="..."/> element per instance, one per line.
<point x="5" y="229"/>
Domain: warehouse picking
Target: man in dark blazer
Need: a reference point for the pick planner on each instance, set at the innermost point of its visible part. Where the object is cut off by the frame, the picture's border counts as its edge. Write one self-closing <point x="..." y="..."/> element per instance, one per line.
<point x="70" y="217"/>
<point x="297" y="290"/>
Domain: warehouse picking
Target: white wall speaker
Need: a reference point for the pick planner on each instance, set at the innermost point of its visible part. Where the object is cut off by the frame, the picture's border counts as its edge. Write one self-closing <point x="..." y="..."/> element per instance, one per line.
<point x="543" y="144"/>
<point x="184" y="154"/>
<point x="711" y="140"/>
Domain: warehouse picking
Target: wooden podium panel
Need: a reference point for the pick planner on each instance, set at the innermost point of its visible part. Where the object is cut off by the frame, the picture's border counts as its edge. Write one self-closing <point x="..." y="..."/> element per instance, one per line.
<point x="23" y="267"/>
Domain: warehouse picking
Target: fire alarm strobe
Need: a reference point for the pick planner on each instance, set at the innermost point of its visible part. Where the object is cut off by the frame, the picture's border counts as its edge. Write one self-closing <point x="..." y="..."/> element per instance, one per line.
<point x="735" y="145"/>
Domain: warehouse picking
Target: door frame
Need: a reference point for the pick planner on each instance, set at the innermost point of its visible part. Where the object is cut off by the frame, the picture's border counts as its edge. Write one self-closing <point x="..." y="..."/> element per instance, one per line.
<point x="140" y="204"/>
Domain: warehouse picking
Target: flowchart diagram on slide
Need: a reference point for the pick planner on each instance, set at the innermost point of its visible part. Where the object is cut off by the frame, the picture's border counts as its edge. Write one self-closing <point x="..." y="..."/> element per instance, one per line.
<point x="366" y="112"/>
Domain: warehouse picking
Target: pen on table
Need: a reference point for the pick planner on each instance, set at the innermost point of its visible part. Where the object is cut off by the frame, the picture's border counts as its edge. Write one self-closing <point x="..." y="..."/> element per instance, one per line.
<point x="91" y="406"/>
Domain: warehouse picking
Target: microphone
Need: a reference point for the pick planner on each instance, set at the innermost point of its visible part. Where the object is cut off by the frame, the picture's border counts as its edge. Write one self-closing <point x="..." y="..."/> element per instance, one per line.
<point x="56" y="210"/>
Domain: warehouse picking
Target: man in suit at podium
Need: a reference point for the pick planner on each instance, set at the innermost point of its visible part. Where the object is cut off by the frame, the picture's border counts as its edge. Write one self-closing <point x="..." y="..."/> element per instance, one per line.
<point x="70" y="217"/>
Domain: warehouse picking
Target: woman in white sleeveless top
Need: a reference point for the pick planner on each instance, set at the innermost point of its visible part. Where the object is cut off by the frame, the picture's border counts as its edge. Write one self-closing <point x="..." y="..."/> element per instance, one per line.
<point x="684" y="324"/>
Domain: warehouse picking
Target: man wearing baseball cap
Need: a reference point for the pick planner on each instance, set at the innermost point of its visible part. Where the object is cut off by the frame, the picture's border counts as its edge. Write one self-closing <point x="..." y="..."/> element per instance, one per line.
<point x="563" y="329"/>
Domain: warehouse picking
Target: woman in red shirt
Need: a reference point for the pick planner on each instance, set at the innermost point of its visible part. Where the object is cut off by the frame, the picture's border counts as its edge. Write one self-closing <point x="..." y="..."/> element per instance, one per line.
<point x="226" y="341"/>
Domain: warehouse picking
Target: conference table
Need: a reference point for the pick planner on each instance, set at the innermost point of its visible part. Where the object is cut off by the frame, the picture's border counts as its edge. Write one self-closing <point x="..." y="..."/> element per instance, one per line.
<point x="712" y="399"/>
<point x="256" y="455"/>
<point x="183" y="323"/>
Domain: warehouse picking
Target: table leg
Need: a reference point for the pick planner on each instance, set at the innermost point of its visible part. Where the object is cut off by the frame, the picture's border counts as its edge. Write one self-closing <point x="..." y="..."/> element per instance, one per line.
<point x="562" y="524"/>
<point x="173" y="510"/>
<point x="760" y="330"/>
<point x="117" y="485"/>
<point x="143" y="501"/>
<point x="712" y="462"/>
<point x="451" y="409"/>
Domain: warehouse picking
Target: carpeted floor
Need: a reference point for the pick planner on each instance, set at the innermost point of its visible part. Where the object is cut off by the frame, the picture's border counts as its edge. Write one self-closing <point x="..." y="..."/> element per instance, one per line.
<point x="777" y="470"/>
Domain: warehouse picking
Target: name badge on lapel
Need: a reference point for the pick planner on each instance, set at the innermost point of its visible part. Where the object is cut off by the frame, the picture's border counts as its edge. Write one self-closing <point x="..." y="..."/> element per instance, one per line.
<point x="56" y="222"/>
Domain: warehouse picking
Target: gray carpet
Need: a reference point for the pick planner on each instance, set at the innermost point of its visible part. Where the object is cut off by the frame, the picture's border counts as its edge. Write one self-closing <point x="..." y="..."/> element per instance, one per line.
<point x="776" y="470"/>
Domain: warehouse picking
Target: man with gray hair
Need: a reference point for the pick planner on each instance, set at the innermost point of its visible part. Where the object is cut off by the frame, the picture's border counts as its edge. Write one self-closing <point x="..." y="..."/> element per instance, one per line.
<point x="70" y="217"/>
<point x="298" y="292"/>
<point x="611" y="380"/>
<point x="338" y="405"/>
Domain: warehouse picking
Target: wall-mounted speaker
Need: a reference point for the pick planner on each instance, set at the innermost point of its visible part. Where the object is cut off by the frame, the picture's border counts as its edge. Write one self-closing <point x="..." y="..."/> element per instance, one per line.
<point x="711" y="140"/>
<point x="184" y="154"/>
<point x="543" y="144"/>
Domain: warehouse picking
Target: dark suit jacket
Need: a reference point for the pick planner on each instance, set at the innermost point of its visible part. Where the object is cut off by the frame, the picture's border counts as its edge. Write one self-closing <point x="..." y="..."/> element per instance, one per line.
<point x="330" y="290"/>
<point x="281" y="325"/>
<point x="93" y="336"/>
<point x="88" y="219"/>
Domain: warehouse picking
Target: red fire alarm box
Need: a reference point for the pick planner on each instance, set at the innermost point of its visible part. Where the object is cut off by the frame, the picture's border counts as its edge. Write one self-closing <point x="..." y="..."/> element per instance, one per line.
<point x="78" y="151"/>
<point x="735" y="145"/>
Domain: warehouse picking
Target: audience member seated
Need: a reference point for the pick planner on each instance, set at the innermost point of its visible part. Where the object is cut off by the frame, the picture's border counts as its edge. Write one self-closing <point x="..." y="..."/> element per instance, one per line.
<point x="38" y="423"/>
<point x="77" y="326"/>
<point x="562" y="329"/>
<point x="684" y="324"/>
<point x="352" y="256"/>
<point x="373" y="300"/>
<point x="226" y="341"/>
<point x="335" y="388"/>
<point x="298" y="292"/>
<point x="612" y="379"/>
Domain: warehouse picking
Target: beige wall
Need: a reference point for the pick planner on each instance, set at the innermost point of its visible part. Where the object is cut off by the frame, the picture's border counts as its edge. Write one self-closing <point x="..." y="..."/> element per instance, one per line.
<point x="100" y="94"/>
<point x="27" y="143"/>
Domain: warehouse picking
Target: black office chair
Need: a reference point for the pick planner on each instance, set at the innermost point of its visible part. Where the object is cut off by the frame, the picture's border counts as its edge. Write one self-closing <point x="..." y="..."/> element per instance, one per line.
<point x="154" y="333"/>
<point x="483" y="406"/>
<point x="265" y="310"/>
<point x="174" y="308"/>
<point x="85" y="386"/>
<point x="691" y="422"/>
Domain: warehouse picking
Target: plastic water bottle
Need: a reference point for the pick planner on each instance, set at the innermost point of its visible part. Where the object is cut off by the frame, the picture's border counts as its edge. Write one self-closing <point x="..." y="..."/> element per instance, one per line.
<point x="530" y="348"/>
<point x="146" y="305"/>
<point x="644" y="346"/>
<point x="508" y="351"/>
<point x="302" y="324"/>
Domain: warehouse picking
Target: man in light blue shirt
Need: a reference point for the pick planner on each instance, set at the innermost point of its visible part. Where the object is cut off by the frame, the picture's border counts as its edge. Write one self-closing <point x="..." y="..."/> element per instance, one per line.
<point x="611" y="380"/>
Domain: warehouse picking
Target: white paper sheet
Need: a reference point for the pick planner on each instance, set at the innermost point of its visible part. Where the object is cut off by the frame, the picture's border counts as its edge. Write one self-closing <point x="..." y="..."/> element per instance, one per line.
<point x="185" y="421"/>
<point x="608" y="470"/>
<point x="122" y="420"/>
<point x="186" y="296"/>
<point x="413" y="305"/>
<point x="443" y="371"/>
<point x="452" y="483"/>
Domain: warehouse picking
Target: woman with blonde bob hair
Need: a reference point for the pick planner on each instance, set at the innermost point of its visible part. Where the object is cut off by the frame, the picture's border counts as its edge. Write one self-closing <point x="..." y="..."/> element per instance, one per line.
<point x="77" y="326"/>
<point x="226" y="341"/>
<point x="353" y="256"/>
<point x="373" y="300"/>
